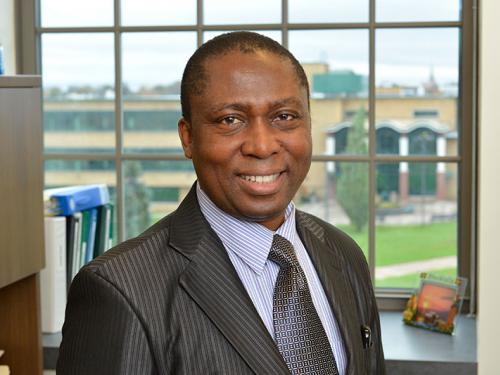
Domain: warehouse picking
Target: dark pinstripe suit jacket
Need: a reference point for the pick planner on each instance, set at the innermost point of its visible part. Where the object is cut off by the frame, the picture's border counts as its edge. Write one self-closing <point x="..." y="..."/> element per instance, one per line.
<point x="170" y="302"/>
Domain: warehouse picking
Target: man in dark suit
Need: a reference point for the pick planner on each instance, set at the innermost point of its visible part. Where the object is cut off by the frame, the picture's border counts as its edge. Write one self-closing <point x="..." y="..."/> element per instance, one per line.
<point x="206" y="289"/>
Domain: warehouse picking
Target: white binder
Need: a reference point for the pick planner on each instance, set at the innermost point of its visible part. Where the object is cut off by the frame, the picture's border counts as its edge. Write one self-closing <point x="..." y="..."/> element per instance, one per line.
<point x="53" y="276"/>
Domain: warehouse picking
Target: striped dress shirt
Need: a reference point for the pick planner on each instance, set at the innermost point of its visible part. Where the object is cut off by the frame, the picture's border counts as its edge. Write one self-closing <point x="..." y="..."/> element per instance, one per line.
<point x="248" y="245"/>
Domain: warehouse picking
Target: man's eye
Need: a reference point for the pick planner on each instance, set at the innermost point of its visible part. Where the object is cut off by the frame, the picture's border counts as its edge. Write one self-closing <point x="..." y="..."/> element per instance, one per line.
<point x="231" y="120"/>
<point x="285" y="117"/>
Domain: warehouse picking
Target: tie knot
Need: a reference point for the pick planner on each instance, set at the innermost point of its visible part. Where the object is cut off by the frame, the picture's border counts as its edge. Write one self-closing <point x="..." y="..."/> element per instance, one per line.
<point x="282" y="252"/>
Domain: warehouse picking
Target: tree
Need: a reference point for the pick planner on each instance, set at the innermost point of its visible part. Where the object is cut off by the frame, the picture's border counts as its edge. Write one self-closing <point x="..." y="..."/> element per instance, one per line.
<point x="137" y="217"/>
<point x="352" y="183"/>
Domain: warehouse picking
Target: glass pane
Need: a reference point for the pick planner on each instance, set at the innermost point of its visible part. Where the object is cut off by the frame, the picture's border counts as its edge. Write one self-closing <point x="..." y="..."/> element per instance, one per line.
<point x="221" y="12"/>
<point x="152" y="70"/>
<point x="56" y="13"/>
<point x="417" y="10"/>
<point x="61" y="173"/>
<point x="78" y="87"/>
<point x="158" y="12"/>
<point x="336" y="65"/>
<point x="153" y="189"/>
<point x="337" y="192"/>
<point x="416" y="222"/>
<point x="301" y="11"/>
<point x="273" y="34"/>
<point x="417" y="90"/>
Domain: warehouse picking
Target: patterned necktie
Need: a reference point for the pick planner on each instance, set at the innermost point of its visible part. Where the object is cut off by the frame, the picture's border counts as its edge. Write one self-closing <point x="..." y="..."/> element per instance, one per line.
<point x="299" y="334"/>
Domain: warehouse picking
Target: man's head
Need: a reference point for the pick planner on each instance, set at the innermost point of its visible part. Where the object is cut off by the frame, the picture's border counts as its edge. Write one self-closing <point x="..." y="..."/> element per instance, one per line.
<point x="194" y="79"/>
<point x="247" y="126"/>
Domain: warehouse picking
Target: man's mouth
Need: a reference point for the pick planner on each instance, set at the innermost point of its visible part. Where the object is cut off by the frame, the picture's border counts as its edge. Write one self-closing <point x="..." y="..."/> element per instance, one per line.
<point x="267" y="179"/>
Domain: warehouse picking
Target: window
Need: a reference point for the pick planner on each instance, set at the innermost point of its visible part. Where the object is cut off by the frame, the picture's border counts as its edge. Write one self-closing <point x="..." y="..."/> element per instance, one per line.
<point x="390" y="98"/>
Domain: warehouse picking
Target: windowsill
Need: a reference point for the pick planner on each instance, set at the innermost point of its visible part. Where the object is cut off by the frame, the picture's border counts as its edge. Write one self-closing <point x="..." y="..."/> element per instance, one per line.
<point x="408" y="350"/>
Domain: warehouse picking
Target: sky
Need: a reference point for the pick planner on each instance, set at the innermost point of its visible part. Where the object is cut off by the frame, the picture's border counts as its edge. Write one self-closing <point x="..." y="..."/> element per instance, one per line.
<point x="402" y="56"/>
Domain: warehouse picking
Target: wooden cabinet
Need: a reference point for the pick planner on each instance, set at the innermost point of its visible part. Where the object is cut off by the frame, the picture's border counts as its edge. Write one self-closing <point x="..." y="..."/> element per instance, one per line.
<point x="21" y="222"/>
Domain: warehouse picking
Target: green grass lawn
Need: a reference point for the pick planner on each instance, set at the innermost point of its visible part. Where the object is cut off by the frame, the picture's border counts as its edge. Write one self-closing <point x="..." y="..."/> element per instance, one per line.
<point x="409" y="243"/>
<point x="411" y="280"/>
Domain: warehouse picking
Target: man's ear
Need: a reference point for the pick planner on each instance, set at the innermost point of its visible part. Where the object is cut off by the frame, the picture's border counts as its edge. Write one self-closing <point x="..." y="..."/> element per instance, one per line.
<point x="186" y="136"/>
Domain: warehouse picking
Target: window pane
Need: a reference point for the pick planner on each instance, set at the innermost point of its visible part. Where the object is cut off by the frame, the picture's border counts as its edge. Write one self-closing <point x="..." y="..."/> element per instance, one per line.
<point x="301" y="11"/>
<point x="153" y="189"/>
<point x="78" y="86"/>
<point x="417" y="82"/>
<point x="273" y="34"/>
<point x="56" y="13"/>
<point x="337" y="192"/>
<point x="152" y="70"/>
<point x="61" y="173"/>
<point x="416" y="222"/>
<point x="336" y="65"/>
<point x="417" y="10"/>
<point x="158" y="12"/>
<point x="221" y="12"/>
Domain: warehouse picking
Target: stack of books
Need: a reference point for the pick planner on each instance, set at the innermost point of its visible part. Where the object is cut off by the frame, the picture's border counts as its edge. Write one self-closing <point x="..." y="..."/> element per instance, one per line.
<point x="78" y="228"/>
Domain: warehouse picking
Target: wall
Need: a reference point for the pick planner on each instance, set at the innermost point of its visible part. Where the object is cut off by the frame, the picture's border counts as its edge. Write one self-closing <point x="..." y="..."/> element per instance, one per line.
<point x="489" y="189"/>
<point x="7" y="35"/>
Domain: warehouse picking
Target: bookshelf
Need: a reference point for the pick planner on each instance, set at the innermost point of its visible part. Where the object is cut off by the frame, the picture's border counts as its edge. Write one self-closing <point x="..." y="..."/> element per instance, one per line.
<point x="21" y="222"/>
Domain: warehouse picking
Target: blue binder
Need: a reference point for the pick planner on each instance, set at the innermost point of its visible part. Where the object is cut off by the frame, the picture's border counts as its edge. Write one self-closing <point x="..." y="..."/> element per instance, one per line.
<point x="67" y="201"/>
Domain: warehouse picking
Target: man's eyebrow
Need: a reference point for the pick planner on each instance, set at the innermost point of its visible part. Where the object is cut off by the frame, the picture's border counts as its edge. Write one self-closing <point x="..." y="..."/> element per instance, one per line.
<point x="220" y="107"/>
<point x="286" y="101"/>
<point x="243" y="107"/>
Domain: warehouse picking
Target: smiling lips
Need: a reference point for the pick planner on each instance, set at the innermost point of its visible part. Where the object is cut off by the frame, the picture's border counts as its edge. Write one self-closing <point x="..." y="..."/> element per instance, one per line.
<point x="261" y="179"/>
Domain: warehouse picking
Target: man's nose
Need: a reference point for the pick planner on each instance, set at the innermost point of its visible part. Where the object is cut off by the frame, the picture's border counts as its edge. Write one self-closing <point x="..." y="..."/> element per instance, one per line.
<point x="261" y="139"/>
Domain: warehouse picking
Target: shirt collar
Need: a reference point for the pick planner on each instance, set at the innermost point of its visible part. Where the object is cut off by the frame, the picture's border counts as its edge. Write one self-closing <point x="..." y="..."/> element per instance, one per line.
<point x="250" y="241"/>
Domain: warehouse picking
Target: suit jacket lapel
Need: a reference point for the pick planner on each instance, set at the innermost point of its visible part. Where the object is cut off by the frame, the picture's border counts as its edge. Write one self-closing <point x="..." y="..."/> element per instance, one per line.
<point x="328" y="262"/>
<point x="212" y="282"/>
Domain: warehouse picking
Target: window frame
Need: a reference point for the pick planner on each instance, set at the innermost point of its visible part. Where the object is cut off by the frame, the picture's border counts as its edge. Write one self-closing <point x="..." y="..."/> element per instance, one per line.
<point x="28" y="43"/>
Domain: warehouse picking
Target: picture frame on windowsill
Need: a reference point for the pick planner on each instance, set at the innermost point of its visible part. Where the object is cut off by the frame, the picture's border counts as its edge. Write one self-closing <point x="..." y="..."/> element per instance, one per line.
<point x="436" y="304"/>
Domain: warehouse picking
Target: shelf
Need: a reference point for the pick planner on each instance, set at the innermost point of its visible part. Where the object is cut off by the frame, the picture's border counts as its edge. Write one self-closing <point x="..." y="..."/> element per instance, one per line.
<point x="20" y="81"/>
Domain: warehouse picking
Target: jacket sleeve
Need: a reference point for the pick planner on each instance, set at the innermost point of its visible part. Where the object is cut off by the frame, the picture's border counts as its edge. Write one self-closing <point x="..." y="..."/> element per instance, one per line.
<point x="101" y="333"/>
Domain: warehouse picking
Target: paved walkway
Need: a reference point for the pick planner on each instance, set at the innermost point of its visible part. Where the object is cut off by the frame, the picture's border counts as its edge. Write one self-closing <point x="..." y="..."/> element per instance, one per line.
<point x="403" y="269"/>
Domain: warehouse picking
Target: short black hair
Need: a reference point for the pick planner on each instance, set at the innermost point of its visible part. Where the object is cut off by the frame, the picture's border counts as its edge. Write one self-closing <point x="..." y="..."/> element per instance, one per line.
<point x="194" y="78"/>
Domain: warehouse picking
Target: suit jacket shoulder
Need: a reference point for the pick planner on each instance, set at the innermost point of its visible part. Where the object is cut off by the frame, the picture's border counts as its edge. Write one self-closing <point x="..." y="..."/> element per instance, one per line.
<point x="113" y="307"/>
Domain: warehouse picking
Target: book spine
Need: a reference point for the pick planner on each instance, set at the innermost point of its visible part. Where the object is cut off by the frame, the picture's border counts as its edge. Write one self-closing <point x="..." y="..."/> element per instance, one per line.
<point x="53" y="276"/>
<point x="92" y="235"/>
<point x="108" y="240"/>
<point x="101" y="233"/>
<point x="84" y="239"/>
<point x="70" y="239"/>
<point x="109" y="228"/>
<point x="77" y="244"/>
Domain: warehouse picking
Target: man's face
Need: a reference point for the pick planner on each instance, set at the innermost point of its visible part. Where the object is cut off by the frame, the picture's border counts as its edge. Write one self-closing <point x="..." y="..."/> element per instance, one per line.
<point x="250" y="135"/>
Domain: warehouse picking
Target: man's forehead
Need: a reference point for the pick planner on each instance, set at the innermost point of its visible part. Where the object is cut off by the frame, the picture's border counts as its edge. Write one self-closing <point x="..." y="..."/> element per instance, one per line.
<point x="236" y="60"/>
<point x="234" y="70"/>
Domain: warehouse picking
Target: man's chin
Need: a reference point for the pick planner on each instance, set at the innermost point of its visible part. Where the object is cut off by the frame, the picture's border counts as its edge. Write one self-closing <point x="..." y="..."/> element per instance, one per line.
<point x="271" y="219"/>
